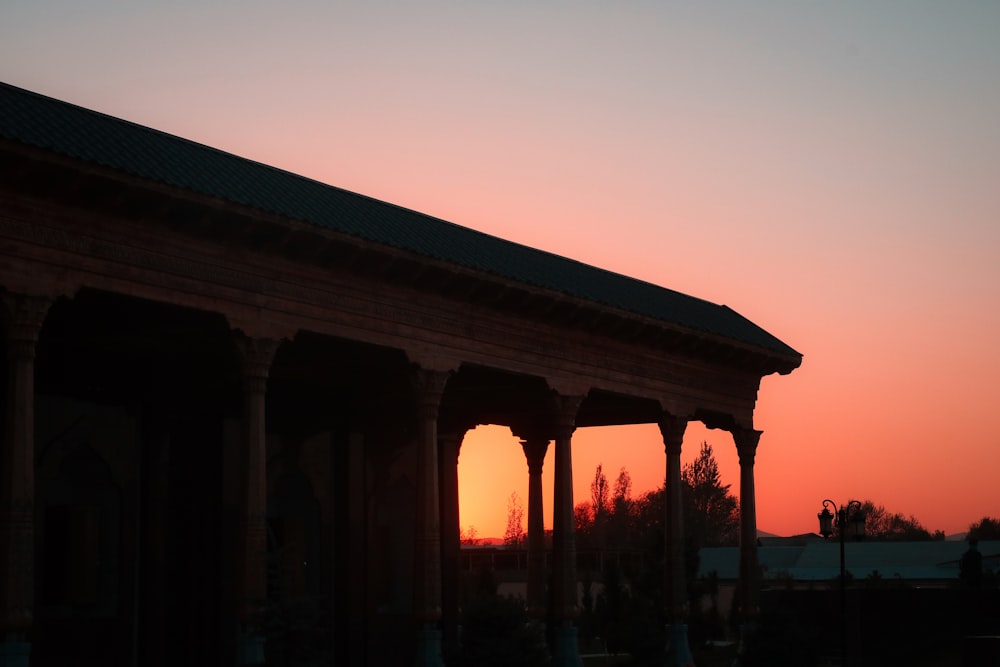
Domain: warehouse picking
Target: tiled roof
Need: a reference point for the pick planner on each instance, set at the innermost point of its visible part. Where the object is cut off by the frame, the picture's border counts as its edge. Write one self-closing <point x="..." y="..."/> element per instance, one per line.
<point x="72" y="131"/>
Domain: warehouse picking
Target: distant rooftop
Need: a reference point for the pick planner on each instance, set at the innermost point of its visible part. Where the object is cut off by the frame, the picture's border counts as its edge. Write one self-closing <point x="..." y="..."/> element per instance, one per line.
<point x="819" y="560"/>
<point x="71" y="131"/>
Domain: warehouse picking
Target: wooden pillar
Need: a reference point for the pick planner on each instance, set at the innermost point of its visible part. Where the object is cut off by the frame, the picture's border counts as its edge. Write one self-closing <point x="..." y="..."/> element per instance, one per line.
<point x="674" y="585"/>
<point x="153" y="621"/>
<point x="355" y="540"/>
<point x="256" y="354"/>
<point x="17" y="483"/>
<point x="566" y="652"/>
<point x="746" y="445"/>
<point x="534" y="451"/>
<point x="450" y="444"/>
<point x="429" y="385"/>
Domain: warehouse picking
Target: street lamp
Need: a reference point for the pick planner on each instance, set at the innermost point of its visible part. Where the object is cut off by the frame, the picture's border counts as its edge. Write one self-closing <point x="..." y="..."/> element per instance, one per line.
<point x="847" y="522"/>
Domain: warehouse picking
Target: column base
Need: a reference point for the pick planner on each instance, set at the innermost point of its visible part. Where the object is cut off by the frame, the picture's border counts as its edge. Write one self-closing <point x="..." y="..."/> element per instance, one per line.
<point x="15" y="654"/>
<point x="566" y="650"/>
<point x="747" y="632"/>
<point x="678" y="650"/>
<point x="429" y="647"/>
<point x="251" y="650"/>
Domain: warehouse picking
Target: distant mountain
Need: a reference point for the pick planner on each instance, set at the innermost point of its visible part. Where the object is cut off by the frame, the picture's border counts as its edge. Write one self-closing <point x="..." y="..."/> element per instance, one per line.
<point x="485" y="542"/>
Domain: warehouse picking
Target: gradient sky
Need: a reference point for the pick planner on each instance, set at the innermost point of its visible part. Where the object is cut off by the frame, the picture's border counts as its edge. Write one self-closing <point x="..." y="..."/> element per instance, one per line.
<point x="829" y="170"/>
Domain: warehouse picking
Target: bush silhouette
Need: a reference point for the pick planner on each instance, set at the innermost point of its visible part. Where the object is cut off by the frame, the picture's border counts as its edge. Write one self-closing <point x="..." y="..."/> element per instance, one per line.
<point x="497" y="632"/>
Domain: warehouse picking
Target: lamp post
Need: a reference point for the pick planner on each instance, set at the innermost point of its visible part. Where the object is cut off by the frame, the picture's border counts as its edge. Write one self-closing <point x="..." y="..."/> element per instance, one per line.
<point x="846" y="520"/>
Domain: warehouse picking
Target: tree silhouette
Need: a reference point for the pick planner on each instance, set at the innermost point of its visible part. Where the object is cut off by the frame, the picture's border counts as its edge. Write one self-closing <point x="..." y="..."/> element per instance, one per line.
<point x="469" y="537"/>
<point x="600" y="507"/>
<point x="711" y="512"/>
<point x="986" y="528"/>
<point x="600" y="498"/>
<point x="882" y="525"/>
<point x="514" y="534"/>
<point x="619" y="528"/>
<point x="623" y="491"/>
<point x="613" y="519"/>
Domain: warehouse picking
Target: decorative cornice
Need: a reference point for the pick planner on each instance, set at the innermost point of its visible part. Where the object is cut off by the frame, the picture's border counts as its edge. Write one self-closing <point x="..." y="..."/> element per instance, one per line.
<point x="280" y="298"/>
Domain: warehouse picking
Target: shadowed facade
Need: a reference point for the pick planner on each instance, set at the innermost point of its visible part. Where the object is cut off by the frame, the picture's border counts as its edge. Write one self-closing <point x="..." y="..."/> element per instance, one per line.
<point x="236" y="399"/>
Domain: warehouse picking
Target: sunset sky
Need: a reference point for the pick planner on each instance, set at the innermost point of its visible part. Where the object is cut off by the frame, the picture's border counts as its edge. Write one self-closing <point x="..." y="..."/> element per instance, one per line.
<point x="829" y="170"/>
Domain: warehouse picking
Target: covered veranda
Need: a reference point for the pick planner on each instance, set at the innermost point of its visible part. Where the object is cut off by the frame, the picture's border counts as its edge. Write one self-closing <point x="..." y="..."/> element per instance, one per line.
<point x="234" y="393"/>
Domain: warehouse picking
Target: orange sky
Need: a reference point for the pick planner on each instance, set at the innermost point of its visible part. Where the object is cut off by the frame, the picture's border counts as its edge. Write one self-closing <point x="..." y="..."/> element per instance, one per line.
<point x="830" y="172"/>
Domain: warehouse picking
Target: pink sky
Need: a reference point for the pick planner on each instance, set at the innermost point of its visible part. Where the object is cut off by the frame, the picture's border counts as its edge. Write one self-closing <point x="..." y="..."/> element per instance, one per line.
<point x="829" y="171"/>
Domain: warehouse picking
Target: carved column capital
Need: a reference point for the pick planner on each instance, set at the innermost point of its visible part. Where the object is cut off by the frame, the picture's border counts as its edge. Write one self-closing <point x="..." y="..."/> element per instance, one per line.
<point x="672" y="431"/>
<point x="25" y="314"/>
<point x="746" y="440"/>
<point x="256" y="354"/>
<point x="534" y="451"/>
<point x="564" y="409"/>
<point x="428" y="387"/>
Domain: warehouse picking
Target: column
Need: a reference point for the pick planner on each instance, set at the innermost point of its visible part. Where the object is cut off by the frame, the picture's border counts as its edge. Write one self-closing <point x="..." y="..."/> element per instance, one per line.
<point x="17" y="483"/>
<point x="534" y="451"/>
<point x="566" y="652"/>
<point x="450" y="443"/>
<point x="429" y="385"/>
<point x="251" y="588"/>
<point x="355" y="538"/>
<point x="155" y="466"/>
<point x="749" y="594"/>
<point x="674" y="585"/>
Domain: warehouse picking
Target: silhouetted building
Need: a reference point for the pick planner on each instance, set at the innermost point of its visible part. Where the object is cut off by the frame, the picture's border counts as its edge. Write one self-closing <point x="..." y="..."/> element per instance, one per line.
<point x="809" y="561"/>
<point x="236" y="398"/>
